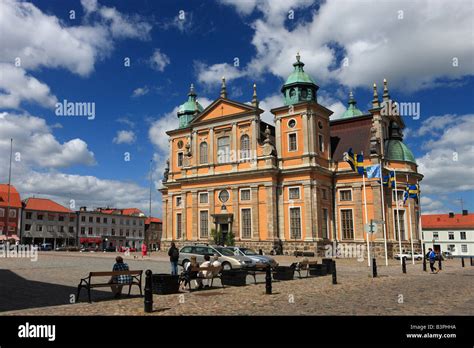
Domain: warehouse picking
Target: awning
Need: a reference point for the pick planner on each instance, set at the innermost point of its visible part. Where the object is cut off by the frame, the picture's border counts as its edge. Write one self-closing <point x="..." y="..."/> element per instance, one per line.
<point x="90" y="240"/>
<point x="12" y="237"/>
<point x="11" y="224"/>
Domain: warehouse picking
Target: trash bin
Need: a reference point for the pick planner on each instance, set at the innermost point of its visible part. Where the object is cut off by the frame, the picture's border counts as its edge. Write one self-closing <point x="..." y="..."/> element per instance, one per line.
<point x="163" y="284"/>
<point x="318" y="270"/>
<point x="283" y="273"/>
<point x="234" y="277"/>
<point x="329" y="265"/>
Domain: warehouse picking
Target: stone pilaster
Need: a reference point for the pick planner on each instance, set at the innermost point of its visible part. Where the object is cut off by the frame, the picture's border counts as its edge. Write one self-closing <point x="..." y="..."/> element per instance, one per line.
<point x="281" y="215"/>
<point x="195" y="216"/>
<point x="255" y="218"/>
<point x="236" y="210"/>
<point x="169" y="215"/>
<point x="358" y="217"/>
<point x="183" y="216"/>
<point x="278" y="139"/>
<point x="211" y="150"/>
<point x="271" y="212"/>
<point x="308" y="209"/>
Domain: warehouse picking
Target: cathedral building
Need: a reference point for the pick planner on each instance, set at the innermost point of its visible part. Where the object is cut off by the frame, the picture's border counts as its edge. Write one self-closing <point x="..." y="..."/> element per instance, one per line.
<point x="286" y="186"/>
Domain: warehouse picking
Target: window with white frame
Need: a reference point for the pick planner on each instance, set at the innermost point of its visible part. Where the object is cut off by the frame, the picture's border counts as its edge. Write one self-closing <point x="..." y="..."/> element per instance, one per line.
<point x="203" y="223"/>
<point x="400" y="220"/>
<point x="245" y="194"/>
<point x="321" y="142"/>
<point x="463" y="235"/>
<point x="292" y="142"/>
<point x="244" y="147"/>
<point x="295" y="223"/>
<point x="39" y="228"/>
<point x="451" y="235"/>
<point x="246" y="223"/>
<point x="180" y="159"/>
<point x="464" y="248"/>
<point x="203" y="198"/>
<point x="345" y="195"/>
<point x="400" y="194"/>
<point x="347" y="224"/>
<point x="223" y="149"/>
<point x="203" y="153"/>
<point x="178" y="226"/>
<point x="293" y="193"/>
<point x="452" y="248"/>
<point x="435" y="235"/>
<point x="50" y="228"/>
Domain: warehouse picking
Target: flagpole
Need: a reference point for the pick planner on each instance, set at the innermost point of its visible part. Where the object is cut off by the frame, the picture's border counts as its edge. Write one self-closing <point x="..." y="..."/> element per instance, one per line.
<point x="398" y="217"/>
<point x="8" y="194"/>
<point x="409" y="221"/>
<point x="420" y="229"/>
<point x="382" y="193"/>
<point x="366" y="219"/>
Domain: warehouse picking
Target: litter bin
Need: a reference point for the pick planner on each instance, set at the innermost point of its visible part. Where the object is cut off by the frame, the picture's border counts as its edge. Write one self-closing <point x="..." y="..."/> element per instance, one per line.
<point x="318" y="270"/>
<point x="164" y="284"/>
<point x="284" y="273"/>
<point x="234" y="277"/>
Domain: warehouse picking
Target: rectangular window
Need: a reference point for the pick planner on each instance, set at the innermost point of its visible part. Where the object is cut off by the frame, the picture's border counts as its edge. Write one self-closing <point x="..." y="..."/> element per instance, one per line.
<point x="71" y="229"/>
<point x="463" y="235"/>
<point x="294" y="193"/>
<point x="2" y="212"/>
<point x="50" y="228"/>
<point x="451" y="247"/>
<point x="203" y="223"/>
<point x="134" y="222"/>
<point x="113" y="231"/>
<point x="223" y="150"/>
<point x="113" y="221"/>
<point x="72" y="218"/>
<point x="178" y="226"/>
<point x="180" y="159"/>
<point x="90" y="231"/>
<point x="435" y="235"/>
<point x="347" y="224"/>
<point x="121" y="232"/>
<point x="105" y="220"/>
<point x="28" y="215"/>
<point x="27" y="227"/>
<point x="402" y="224"/>
<point x="324" y="193"/>
<point x="324" y="226"/>
<point x="464" y="248"/>
<point x="39" y="216"/>
<point x="39" y="228"/>
<point x="295" y="223"/>
<point x="61" y="218"/>
<point x="12" y="213"/>
<point x="83" y="230"/>
<point x="292" y="143"/>
<point x="127" y="233"/>
<point x="246" y="223"/>
<point x="451" y="235"/>
<point x="61" y="228"/>
<point x="345" y="195"/>
<point x="203" y="153"/>
<point x="204" y="198"/>
<point x="83" y="219"/>
<point x="97" y="220"/>
<point x="245" y="195"/>
<point x="321" y="142"/>
<point x="91" y="219"/>
<point x="400" y="194"/>
<point x="178" y="201"/>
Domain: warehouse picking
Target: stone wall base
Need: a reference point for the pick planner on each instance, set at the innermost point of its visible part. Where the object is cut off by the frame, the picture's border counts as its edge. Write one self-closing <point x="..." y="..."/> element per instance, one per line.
<point x="321" y="248"/>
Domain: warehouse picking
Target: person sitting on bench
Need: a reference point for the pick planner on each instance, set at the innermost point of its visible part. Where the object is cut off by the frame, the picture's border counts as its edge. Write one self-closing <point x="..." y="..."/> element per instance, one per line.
<point x="120" y="279"/>
<point x="205" y="274"/>
<point x="188" y="274"/>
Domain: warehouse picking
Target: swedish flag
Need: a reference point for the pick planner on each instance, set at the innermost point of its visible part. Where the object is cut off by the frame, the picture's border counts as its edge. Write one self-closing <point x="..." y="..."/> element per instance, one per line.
<point x="411" y="191"/>
<point x="385" y="180"/>
<point x="360" y="164"/>
<point x="349" y="158"/>
<point x="391" y="179"/>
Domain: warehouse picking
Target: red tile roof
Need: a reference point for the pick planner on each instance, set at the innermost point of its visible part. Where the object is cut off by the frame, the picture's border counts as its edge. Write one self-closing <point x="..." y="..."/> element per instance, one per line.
<point x="443" y="221"/>
<point x="45" y="205"/>
<point x="15" y="201"/>
<point x="152" y="219"/>
<point x="125" y="211"/>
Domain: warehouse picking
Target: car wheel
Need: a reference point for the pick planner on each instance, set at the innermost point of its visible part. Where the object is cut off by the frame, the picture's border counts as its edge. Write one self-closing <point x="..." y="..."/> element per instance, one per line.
<point x="226" y="266"/>
<point x="184" y="262"/>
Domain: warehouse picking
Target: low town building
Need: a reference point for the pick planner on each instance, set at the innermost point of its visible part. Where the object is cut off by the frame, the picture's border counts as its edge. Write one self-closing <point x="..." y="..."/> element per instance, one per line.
<point x="449" y="232"/>
<point x="153" y="231"/>
<point x="10" y="205"/>
<point x="45" y="221"/>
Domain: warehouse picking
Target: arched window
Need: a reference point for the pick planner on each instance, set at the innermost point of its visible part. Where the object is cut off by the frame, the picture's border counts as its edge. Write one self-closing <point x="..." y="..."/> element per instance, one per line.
<point x="244" y="147"/>
<point x="203" y="153"/>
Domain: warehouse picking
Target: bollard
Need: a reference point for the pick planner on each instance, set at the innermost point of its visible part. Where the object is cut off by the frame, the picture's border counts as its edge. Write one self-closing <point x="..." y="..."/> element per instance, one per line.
<point x="374" y="268"/>
<point x="404" y="265"/>
<point x="334" y="274"/>
<point x="148" y="292"/>
<point x="268" y="281"/>
<point x="462" y="261"/>
<point x="439" y="263"/>
<point x="424" y="264"/>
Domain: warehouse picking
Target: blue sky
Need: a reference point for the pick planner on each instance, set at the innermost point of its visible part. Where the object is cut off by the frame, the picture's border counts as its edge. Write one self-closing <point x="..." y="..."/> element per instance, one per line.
<point x="174" y="43"/>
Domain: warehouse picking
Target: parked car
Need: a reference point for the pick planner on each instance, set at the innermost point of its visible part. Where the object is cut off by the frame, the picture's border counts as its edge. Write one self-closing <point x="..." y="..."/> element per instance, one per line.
<point x="46" y="247"/>
<point x="87" y="249"/>
<point x="257" y="258"/>
<point x="123" y="249"/>
<point x="67" y="248"/>
<point x="110" y="249"/>
<point x="418" y="256"/>
<point x="226" y="256"/>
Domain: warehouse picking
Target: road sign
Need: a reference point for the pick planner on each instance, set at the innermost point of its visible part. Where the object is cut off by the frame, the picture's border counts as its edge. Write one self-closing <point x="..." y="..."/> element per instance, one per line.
<point x="370" y="228"/>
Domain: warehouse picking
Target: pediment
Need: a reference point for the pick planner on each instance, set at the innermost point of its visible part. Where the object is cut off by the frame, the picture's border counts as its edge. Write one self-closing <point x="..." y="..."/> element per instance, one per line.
<point x="222" y="108"/>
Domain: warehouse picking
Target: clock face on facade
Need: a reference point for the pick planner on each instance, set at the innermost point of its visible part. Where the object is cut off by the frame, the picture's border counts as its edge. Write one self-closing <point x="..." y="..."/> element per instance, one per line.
<point x="224" y="196"/>
<point x="292" y="123"/>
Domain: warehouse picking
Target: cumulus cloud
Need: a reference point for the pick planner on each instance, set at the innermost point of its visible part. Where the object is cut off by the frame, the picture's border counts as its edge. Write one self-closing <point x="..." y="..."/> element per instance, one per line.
<point x="432" y="205"/>
<point x="36" y="144"/>
<point x="212" y="74"/>
<point x="159" y="60"/>
<point x="125" y="137"/>
<point x="410" y="45"/>
<point x="447" y="164"/>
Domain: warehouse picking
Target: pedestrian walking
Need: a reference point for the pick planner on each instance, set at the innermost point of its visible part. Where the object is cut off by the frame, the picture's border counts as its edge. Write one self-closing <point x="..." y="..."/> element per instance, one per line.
<point x="432" y="258"/>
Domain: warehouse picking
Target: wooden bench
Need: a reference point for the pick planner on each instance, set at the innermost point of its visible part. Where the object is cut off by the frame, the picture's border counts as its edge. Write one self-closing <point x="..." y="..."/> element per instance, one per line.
<point x="258" y="268"/>
<point x="196" y="274"/>
<point x="304" y="266"/>
<point x="87" y="282"/>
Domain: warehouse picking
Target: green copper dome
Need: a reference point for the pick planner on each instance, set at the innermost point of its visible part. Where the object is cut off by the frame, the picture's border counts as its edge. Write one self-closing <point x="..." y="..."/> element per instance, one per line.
<point x="189" y="109"/>
<point x="299" y="86"/>
<point x="352" y="110"/>
<point x="398" y="151"/>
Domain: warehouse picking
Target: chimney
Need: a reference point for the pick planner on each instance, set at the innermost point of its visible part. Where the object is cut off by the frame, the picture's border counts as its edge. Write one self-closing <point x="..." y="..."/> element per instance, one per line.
<point x="464" y="212"/>
<point x="83" y="208"/>
<point x="451" y="214"/>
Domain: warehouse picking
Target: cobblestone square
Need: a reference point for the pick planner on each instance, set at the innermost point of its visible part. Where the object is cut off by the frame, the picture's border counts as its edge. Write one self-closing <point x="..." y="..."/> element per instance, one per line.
<point x="48" y="286"/>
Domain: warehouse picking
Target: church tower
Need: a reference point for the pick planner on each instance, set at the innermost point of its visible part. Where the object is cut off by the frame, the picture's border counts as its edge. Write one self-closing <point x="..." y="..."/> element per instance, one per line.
<point x="189" y="109"/>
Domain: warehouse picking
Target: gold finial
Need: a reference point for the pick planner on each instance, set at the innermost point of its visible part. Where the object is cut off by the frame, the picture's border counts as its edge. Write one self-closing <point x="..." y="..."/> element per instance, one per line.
<point x="223" y="88"/>
<point x="254" y="97"/>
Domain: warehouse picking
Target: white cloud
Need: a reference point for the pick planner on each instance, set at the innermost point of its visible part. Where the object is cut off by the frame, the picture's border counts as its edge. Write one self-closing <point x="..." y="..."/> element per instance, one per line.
<point x="413" y="53"/>
<point x="159" y="60"/>
<point x="212" y="74"/>
<point x="140" y="91"/>
<point x="124" y="137"/>
<point x="269" y="103"/>
<point x="431" y="206"/>
<point x="447" y="166"/>
<point x="17" y="86"/>
<point x="183" y="22"/>
<point x="126" y="121"/>
<point x="36" y="144"/>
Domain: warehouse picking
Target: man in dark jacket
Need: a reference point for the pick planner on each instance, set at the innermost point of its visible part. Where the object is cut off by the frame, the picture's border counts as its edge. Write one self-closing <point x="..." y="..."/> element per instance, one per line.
<point x="432" y="257"/>
<point x="173" y="253"/>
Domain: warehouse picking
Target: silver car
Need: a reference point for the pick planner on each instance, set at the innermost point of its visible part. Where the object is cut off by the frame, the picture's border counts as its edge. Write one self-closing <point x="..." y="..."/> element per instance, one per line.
<point x="226" y="256"/>
<point x="257" y="258"/>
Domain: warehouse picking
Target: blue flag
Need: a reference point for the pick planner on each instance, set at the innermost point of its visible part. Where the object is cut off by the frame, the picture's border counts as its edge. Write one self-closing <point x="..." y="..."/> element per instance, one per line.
<point x="349" y="158"/>
<point x="360" y="164"/>
<point x="373" y="171"/>
<point x="391" y="179"/>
